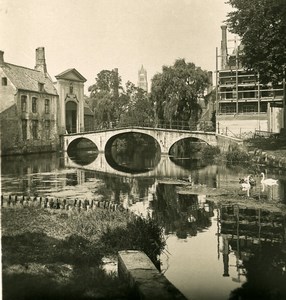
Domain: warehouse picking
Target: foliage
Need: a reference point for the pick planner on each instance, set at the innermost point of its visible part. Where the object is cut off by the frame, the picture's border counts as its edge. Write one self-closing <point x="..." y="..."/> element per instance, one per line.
<point x="104" y="99"/>
<point x="176" y="91"/>
<point x="267" y="143"/>
<point x="138" y="108"/>
<point x="107" y="81"/>
<point x="140" y="234"/>
<point x="209" y="152"/>
<point x="133" y="143"/>
<point x="111" y="103"/>
<point x="237" y="155"/>
<point x="261" y="24"/>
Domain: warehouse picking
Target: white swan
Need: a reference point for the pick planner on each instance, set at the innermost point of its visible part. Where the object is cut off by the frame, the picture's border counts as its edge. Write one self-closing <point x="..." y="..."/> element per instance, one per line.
<point x="268" y="181"/>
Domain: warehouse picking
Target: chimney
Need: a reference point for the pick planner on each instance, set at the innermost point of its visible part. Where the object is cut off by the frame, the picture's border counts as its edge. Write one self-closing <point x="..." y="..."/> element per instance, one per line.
<point x="223" y="47"/>
<point x="1" y="58"/>
<point x="40" y="60"/>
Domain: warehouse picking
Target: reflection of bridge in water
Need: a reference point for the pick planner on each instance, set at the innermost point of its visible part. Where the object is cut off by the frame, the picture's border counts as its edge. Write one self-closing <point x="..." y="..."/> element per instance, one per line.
<point x="165" y="167"/>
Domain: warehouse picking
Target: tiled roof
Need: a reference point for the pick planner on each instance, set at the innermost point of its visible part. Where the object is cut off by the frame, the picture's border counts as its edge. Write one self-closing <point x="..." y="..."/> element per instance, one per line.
<point x="28" y="79"/>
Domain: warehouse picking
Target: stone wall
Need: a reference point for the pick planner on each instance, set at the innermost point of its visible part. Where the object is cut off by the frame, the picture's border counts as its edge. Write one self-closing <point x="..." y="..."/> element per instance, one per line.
<point x="225" y="142"/>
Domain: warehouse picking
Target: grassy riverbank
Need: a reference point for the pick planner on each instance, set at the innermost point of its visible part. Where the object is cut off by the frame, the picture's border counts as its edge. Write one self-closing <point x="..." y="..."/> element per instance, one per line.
<point x="55" y="254"/>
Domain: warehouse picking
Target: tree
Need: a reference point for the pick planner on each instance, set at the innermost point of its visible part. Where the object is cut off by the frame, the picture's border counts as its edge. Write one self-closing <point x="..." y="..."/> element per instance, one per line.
<point x="261" y="24"/>
<point x="138" y="108"/>
<point x="108" y="81"/>
<point x="176" y="91"/>
<point x="104" y="97"/>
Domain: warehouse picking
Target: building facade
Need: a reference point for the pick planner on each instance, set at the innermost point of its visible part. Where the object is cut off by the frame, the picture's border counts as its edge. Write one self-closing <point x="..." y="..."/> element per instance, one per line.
<point x="28" y="108"/>
<point x="34" y="111"/>
<point x="142" y="79"/>
<point x="243" y="104"/>
<point x="70" y="87"/>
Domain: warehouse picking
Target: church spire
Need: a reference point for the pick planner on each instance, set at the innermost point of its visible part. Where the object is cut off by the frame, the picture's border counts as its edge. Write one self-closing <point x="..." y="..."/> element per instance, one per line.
<point x="142" y="79"/>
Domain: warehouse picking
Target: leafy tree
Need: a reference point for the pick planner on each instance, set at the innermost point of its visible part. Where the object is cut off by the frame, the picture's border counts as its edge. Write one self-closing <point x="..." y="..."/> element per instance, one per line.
<point x="261" y="24"/>
<point x="108" y="81"/>
<point x="138" y="108"/>
<point x="176" y="91"/>
<point x="104" y="97"/>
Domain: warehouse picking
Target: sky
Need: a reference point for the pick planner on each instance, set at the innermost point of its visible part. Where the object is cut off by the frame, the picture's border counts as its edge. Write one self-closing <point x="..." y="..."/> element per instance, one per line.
<point x="95" y="35"/>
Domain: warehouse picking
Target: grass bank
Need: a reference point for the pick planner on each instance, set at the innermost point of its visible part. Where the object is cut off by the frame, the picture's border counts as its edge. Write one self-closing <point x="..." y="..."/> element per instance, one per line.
<point x="55" y="254"/>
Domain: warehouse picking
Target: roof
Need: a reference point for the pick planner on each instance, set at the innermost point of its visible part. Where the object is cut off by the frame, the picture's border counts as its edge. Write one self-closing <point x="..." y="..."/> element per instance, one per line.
<point x="71" y="74"/>
<point x="28" y="79"/>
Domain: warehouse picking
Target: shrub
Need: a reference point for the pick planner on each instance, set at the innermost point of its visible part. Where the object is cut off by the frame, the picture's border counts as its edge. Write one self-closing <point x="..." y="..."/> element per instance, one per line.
<point x="139" y="234"/>
<point x="236" y="155"/>
<point x="210" y="152"/>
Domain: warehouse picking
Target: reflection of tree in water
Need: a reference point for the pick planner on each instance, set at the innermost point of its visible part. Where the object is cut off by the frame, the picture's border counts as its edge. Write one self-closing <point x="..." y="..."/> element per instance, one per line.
<point x="117" y="188"/>
<point x="135" y="151"/>
<point x="187" y="148"/>
<point x="183" y="214"/>
<point x="190" y="164"/>
<point x="266" y="274"/>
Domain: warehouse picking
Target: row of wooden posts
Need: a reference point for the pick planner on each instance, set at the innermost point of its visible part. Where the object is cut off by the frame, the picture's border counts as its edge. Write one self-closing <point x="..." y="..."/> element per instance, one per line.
<point x="52" y="203"/>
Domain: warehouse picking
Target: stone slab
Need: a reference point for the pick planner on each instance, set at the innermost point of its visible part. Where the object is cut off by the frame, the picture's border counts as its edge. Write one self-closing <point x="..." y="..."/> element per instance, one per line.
<point x="137" y="269"/>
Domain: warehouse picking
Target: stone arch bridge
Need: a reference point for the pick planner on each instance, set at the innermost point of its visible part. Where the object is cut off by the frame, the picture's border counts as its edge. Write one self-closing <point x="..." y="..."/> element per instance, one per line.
<point x="166" y="138"/>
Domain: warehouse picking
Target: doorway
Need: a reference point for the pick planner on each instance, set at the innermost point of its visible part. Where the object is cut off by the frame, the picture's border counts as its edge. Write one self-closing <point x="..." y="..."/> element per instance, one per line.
<point x="71" y="117"/>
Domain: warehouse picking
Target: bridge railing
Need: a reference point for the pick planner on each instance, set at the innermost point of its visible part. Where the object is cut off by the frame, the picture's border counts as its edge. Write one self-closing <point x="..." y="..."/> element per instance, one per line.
<point x="205" y="126"/>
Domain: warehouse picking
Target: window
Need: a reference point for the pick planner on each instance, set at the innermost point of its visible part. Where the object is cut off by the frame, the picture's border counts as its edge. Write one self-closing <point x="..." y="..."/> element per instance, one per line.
<point x="34" y="104"/>
<point x="41" y="87"/>
<point x="228" y="109"/>
<point x="4" y="80"/>
<point x="248" y="108"/>
<point x="47" y="128"/>
<point x="24" y="103"/>
<point x="47" y="106"/>
<point x="24" y="129"/>
<point x="35" y="129"/>
<point x="248" y="95"/>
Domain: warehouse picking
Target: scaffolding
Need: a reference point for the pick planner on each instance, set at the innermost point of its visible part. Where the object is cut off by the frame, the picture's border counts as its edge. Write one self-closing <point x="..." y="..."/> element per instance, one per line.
<point x="240" y="93"/>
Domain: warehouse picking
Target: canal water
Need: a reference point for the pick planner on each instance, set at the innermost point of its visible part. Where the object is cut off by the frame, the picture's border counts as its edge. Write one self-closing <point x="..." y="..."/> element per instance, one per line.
<point x="212" y="251"/>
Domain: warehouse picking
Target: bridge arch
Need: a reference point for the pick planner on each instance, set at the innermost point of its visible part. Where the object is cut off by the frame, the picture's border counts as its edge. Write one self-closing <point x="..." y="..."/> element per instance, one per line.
<point x="110" y="141"/>
<point x="80" y="140"/>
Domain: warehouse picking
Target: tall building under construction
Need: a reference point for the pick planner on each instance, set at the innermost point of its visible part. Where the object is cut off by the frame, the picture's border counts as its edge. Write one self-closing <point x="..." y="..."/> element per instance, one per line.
<point x="244" y="105"/>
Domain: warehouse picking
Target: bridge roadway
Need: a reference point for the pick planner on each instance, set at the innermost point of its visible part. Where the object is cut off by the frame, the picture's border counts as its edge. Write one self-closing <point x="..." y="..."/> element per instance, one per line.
<point x="166" y="138"/>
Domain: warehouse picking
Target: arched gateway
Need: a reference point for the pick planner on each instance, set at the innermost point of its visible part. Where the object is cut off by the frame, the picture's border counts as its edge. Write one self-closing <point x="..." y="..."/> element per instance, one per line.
<point x="70" y="87"/>
<point x="166" y="138"/>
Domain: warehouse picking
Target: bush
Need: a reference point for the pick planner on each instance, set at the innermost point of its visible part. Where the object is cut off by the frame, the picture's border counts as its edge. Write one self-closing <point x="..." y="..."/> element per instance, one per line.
<point x="210" y="152"/>
<point x="236" y="155"/>
<point x="139" y="234"/>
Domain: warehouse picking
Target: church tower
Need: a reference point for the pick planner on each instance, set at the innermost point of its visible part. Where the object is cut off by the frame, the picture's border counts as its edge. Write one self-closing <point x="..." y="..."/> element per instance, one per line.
<point x="142" y="79"/>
